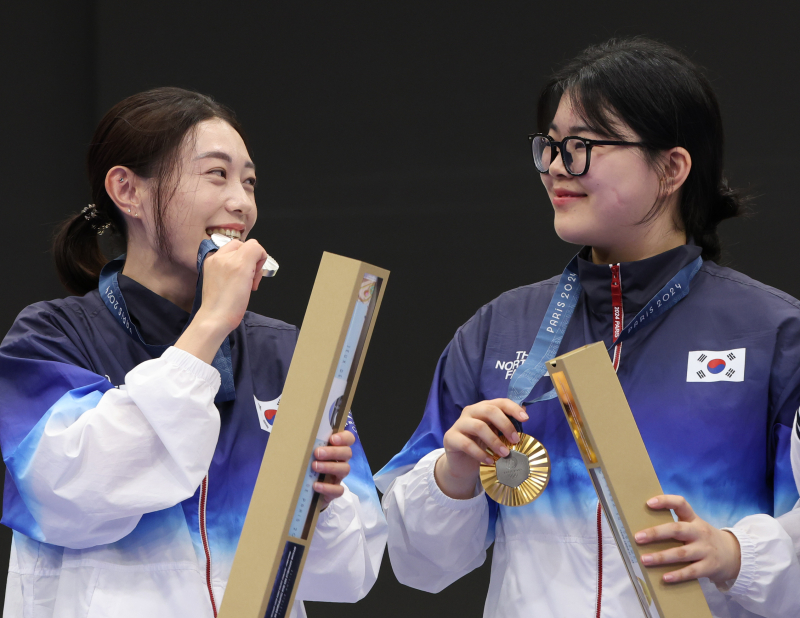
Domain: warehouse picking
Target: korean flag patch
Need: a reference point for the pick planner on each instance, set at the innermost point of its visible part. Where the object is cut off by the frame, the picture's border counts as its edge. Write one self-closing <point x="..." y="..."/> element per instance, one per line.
<point x="266" y="411"/>
<point x="710" y="366"/>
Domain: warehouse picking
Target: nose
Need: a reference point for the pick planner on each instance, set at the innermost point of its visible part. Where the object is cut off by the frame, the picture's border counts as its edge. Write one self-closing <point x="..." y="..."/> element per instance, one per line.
<point x="239" y="200"/>
<point x="557" y="167"/>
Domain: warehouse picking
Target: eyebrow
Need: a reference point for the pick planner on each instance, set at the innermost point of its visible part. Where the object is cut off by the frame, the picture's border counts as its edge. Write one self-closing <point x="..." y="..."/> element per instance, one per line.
<point x="575" y="129"/>
<point x="218" y="154"/>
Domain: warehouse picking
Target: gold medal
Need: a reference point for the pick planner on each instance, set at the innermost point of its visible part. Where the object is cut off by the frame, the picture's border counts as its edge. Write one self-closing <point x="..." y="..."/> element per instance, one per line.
<point x="519" y="478"/>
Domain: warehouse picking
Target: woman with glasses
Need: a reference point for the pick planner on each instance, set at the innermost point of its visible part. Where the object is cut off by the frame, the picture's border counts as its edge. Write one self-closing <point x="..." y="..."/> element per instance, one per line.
<point x="630" y="150"/>
<point x="134" y="415"/>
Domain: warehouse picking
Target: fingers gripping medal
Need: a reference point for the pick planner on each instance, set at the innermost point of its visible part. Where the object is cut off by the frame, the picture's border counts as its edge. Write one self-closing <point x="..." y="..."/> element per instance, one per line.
<point x="521" y="476"/>
<point x="269" y="268"/>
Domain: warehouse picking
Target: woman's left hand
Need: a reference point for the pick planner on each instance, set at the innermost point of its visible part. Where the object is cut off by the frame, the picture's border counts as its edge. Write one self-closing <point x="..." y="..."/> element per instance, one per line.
<point x="333" y="461"/>
<point x="713" y="553"/>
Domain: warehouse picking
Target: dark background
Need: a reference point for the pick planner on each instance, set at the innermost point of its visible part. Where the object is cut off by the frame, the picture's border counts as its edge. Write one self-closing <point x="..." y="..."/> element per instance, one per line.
<point x="392" y="132"/>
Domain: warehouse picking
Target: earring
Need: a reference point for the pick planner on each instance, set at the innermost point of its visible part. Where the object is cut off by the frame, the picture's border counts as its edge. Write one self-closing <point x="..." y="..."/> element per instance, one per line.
<point x="136" y="214"/>
<point x="129" y="209"/>
<point x="122" y="178"/>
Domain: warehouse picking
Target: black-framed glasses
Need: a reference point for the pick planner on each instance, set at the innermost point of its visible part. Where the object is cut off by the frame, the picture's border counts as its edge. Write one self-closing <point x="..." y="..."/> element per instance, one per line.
<point x="576" y="152"/>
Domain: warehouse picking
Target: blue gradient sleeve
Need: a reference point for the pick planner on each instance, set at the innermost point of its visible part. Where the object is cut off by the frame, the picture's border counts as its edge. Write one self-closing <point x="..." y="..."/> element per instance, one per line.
<point x="19" y="501"/>
<point x="359" y="481"/>
<point x="37" y="381"/>
<point x="455" y="386"/>
<point x="452" y="390"/>
<point x="440" y="414"/>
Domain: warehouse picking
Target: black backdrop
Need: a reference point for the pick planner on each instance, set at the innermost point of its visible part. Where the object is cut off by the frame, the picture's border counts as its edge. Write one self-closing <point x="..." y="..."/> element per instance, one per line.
<point x="392" y="132"/>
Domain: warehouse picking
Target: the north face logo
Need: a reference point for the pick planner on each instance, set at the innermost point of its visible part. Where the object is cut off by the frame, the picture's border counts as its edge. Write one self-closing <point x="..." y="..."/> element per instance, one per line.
<point x="510" y="366"/>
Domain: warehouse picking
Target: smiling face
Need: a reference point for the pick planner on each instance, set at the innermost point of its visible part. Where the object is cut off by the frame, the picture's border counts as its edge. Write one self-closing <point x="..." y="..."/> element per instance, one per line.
<point x="604" y="207"/>
<point x="215" y="194"/>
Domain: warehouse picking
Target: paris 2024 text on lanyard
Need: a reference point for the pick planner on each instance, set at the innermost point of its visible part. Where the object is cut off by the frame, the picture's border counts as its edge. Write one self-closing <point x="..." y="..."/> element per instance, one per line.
<point x="559" y="312"/>
<point x="523" y="474"/>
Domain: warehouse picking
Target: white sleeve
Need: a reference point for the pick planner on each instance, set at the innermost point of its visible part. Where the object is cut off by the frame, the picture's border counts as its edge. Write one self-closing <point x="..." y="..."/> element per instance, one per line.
<point x="433" y="539"/>
<point x="345" y="553"/>
<point x="770" y="571"/>
<point x="88" y="474"/>
<point x="769" y="575"/>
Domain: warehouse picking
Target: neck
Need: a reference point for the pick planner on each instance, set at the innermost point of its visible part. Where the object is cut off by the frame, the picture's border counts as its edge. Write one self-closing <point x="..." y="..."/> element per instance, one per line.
<point x="161" y="276"/>
<point x="638" y="251"/>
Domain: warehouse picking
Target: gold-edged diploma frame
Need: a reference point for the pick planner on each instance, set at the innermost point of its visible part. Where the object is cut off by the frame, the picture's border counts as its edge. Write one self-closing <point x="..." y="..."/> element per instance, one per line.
<point x="316" y="398"/>
<point x="622" y="474"/>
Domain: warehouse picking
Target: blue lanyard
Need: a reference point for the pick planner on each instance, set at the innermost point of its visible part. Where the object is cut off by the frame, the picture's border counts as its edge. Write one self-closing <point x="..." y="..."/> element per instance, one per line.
<point x="559" y="312"/>
<point x="111" y="294"/>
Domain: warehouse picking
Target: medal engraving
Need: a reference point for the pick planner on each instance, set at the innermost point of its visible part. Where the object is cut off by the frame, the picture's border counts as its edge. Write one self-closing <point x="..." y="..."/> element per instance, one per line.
<point x="513" y="469"/>
<point x="520" y="477"/>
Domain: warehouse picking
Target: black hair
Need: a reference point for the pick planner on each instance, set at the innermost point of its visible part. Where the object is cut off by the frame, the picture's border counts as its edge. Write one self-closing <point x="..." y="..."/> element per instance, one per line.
<point x="143" y="133"/>
<point x="667" y="101"/>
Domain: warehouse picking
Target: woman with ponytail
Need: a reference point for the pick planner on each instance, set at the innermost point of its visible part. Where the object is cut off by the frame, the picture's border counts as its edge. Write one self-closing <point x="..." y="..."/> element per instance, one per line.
<point x="630" y="151"/>
<point x="134" y="415"/>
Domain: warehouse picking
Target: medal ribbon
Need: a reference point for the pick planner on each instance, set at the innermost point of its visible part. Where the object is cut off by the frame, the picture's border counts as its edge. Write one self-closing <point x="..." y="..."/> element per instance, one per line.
<point x="617" y="313"/>
<point x="111" y="294"/>
<point x="559" y="312"/>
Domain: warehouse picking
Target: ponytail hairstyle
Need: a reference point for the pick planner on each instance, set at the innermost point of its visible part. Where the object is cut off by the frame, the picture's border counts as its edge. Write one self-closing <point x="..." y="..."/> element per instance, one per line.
<point x="144" y="133"/>
<point x="667" y="101"/>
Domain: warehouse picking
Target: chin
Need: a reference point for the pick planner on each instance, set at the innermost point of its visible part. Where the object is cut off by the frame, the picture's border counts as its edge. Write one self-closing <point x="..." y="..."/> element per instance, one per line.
<point x="574" y="234"/>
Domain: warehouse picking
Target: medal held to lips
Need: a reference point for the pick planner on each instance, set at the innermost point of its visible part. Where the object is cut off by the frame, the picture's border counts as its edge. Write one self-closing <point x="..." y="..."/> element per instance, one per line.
<point x="270" y="266"/>
<point x="521" y="476"/>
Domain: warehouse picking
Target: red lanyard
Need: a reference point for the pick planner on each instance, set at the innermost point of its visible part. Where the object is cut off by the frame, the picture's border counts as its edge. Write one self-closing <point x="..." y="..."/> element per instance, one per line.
<point x="617" y="312"/>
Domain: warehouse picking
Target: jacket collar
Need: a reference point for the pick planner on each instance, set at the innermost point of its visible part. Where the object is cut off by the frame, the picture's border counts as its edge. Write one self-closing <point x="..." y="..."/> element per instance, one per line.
<point x="639" y="280"/>
<point x="159" y="321"/>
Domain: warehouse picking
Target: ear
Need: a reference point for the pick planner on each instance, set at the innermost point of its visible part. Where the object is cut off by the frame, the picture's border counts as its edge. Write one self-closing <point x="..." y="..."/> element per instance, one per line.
<point x="126" y="190"/>
<point x="677" y="165"/>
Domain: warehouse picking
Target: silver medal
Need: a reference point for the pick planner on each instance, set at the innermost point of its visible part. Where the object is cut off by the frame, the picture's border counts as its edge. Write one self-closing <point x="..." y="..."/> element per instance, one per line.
<point x="269" y="268"/>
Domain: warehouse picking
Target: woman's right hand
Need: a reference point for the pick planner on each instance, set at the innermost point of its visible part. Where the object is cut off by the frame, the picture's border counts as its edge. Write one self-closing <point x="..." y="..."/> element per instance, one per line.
<point x="456" y="471"/>
<point x="229" y="276"/>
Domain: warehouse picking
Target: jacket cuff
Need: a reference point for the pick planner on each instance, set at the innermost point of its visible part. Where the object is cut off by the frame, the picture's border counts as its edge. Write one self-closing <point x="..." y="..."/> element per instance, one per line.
<point x="427" y="465"/>
<point x="747" y="570"/>
<point x="193" y="365"/>
<point x="337" y="507"/>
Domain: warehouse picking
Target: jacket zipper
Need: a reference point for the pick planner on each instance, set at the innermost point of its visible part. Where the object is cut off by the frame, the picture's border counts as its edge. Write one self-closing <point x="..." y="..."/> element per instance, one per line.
<point x="206" y="547"/>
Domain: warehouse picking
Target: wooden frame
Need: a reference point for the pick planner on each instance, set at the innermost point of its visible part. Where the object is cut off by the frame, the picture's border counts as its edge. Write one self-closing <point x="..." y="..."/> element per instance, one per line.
<point x="623" y="475"/>
<point x="316" y="398"/>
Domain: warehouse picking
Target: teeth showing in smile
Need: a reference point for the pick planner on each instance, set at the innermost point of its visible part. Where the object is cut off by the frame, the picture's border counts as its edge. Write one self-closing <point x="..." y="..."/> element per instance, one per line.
<point x="225" y="232"/>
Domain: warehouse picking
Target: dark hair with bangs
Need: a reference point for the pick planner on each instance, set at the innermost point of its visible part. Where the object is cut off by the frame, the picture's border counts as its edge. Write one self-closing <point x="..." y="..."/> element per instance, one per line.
<point x="144" y="133"/>
<point x="667" y="101"/>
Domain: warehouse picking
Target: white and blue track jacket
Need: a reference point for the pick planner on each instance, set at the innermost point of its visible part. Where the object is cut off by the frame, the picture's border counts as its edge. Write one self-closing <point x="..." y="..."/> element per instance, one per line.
<point x="714" y="385"/>
<point x="127" y="487"/>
